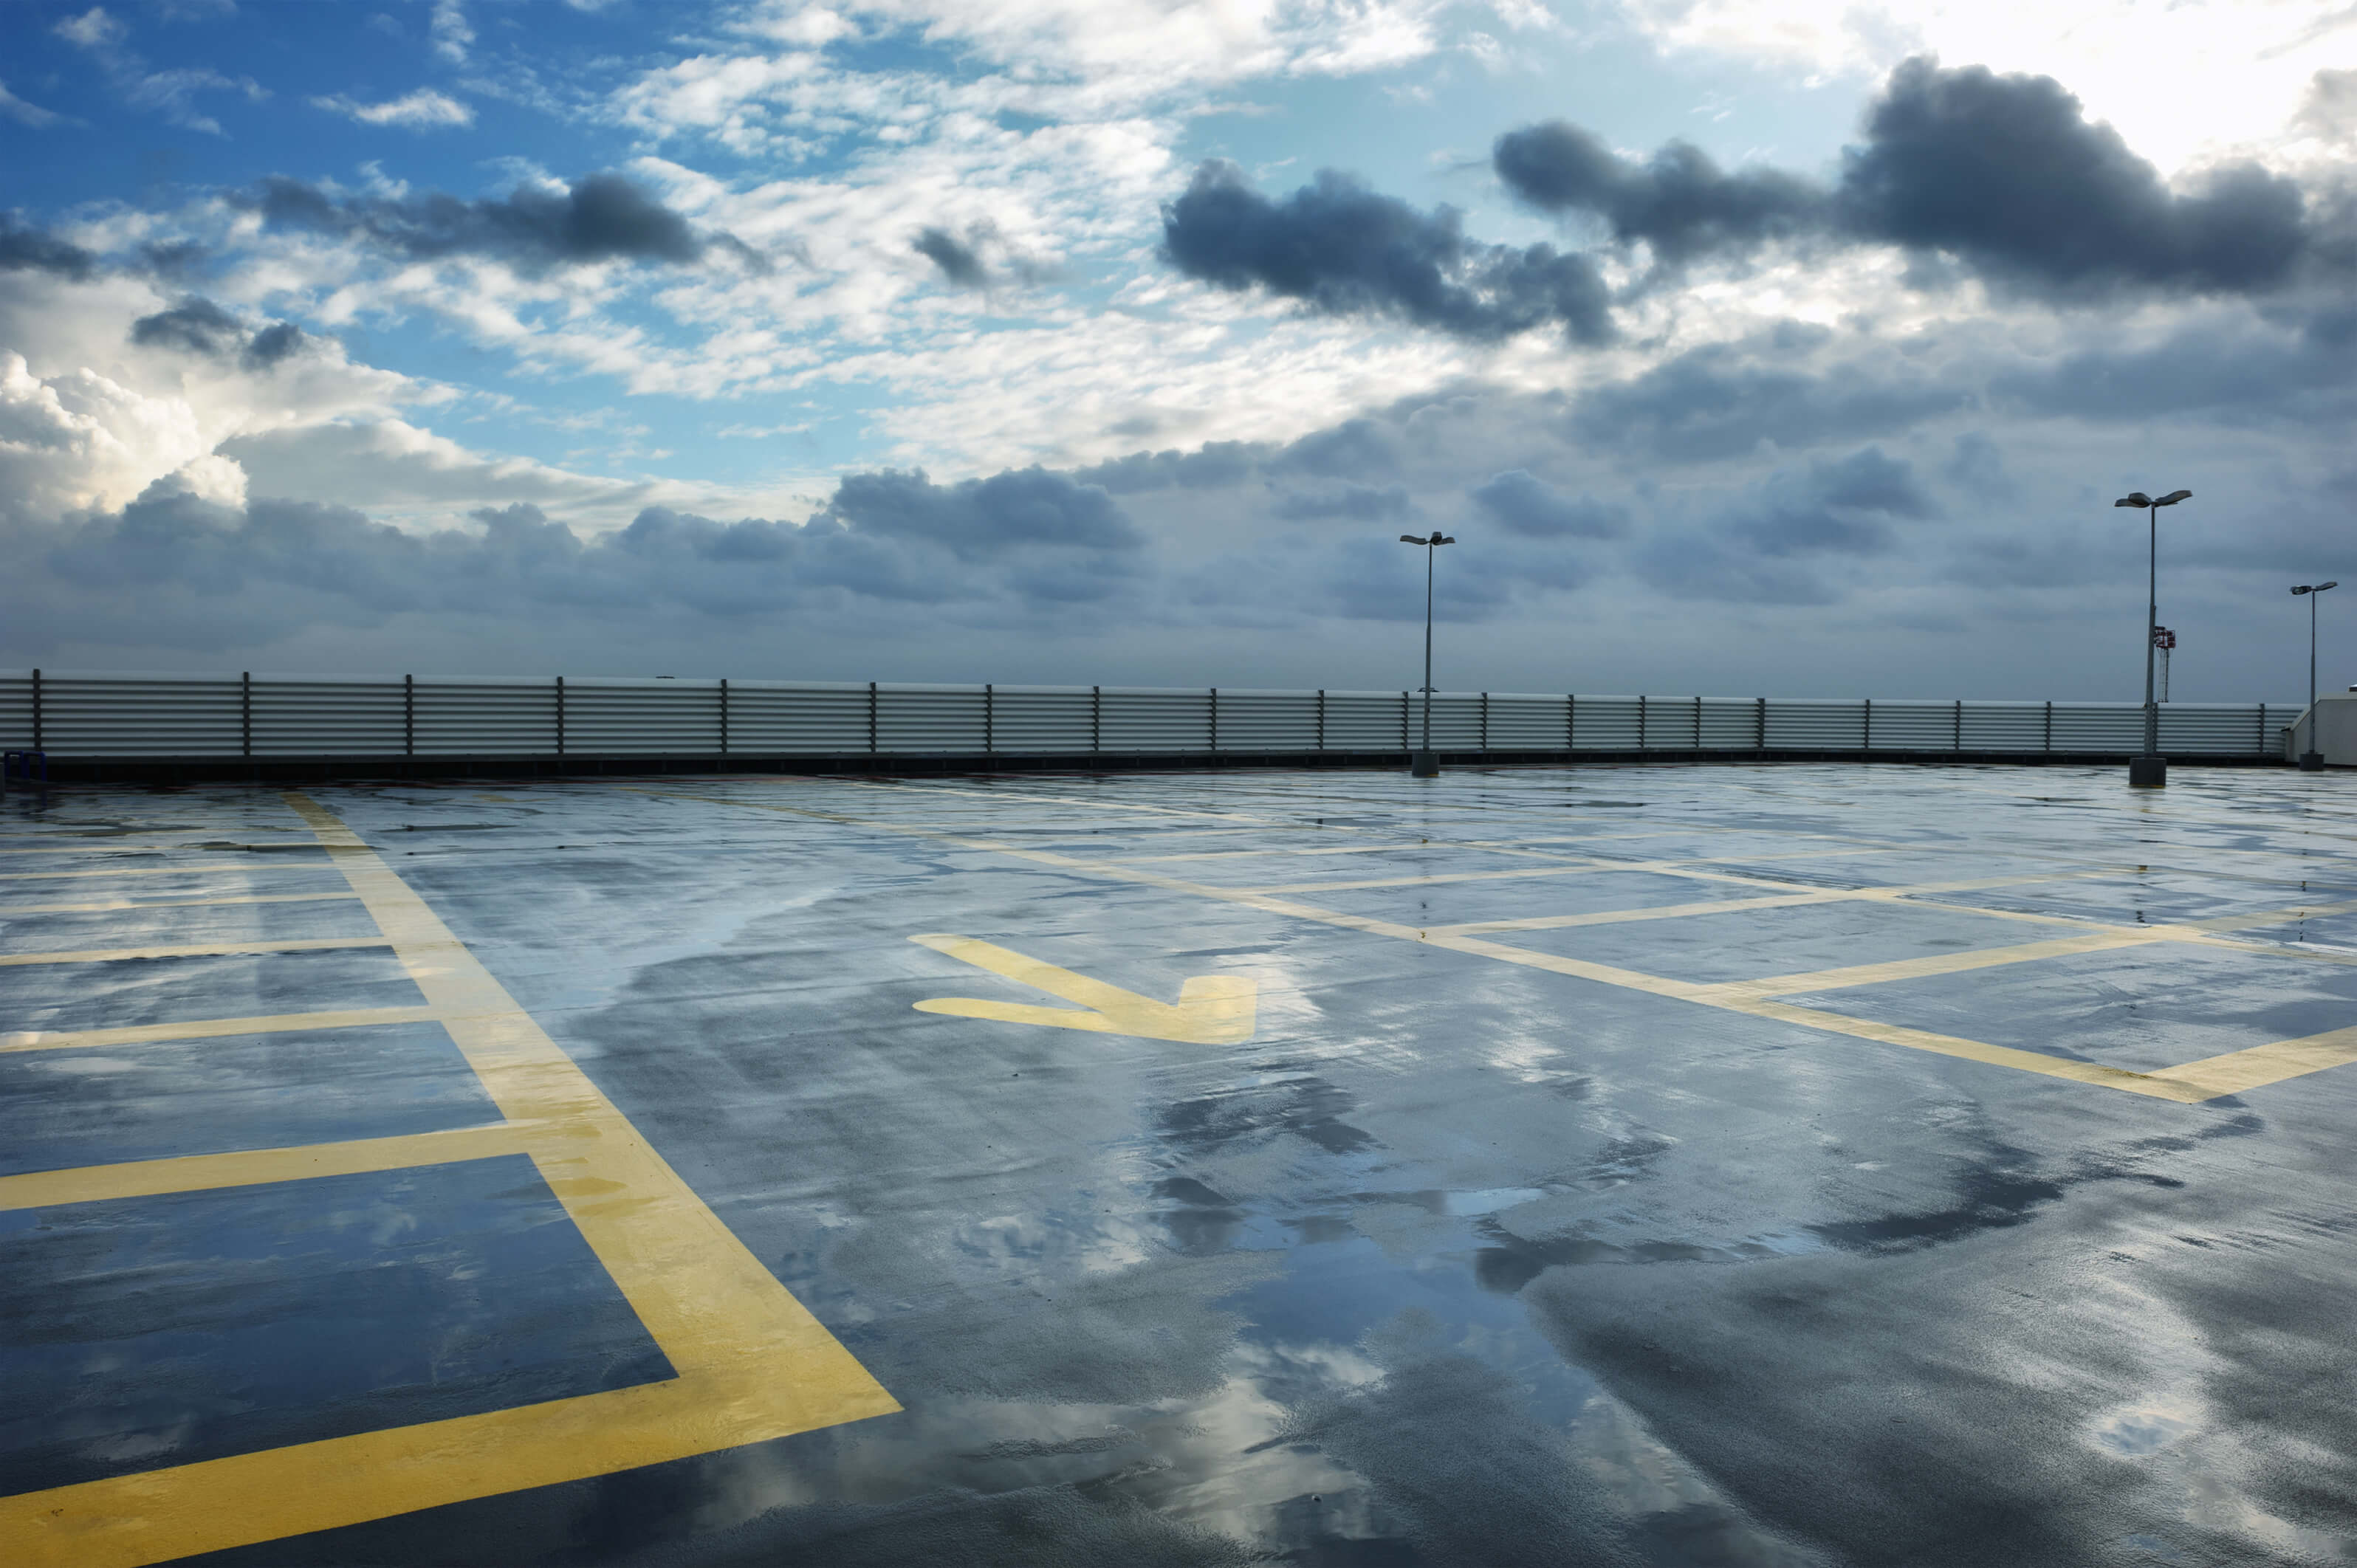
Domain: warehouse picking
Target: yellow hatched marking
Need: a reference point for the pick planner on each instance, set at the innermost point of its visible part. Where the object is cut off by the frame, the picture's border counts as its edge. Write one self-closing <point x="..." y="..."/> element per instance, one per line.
<point x="2292" y="1063"/>
<point x="752" y="1363"/>
<point x="254" y="1168"/>
<point x="1212" y="1009"/>
<point x="211" y="1028"/>
<point x="195" y="949"/>
<point x="108" y="906"/>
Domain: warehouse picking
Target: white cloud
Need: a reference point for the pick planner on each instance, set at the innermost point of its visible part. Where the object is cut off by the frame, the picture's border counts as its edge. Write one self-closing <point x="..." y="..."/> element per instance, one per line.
<point x="2183" y="83"/>
<point x="423" y="109"/>
<point x="25" y="114"/>
<point x="93" y="30"/>
<point x="450" y="32"/>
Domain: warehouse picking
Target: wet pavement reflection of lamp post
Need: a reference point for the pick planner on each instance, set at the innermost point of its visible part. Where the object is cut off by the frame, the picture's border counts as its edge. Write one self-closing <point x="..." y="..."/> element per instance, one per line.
<point x="2150" y="771"/>
<point x="1424" y="766"/>
<point x="2312" y="760"/>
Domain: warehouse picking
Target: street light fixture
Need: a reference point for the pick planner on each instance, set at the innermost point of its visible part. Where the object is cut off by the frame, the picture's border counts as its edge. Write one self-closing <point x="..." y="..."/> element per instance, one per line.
<point x="2312" y="760"/>
<point x="2150" y="771"/>
<point x="1423" y="764"/>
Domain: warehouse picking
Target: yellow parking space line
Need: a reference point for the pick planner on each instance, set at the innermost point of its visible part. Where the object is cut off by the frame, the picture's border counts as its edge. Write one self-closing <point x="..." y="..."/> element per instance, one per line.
<point x="109" y="905"/>
<point x="255" y="1167"/>
<point x="752" y="1363"/>
<point x="195" y="950"/>
<point x="212" y="1028"/>
<point x="1778" y="901"/>
<point x="2156" y="1085"/>
<point x="1931" y="964"/>
<point x="1438" y="878"/>
<point x="163" y="870"/>
<point x="2237" y="1071"/>
<point x="1728" y="998"/>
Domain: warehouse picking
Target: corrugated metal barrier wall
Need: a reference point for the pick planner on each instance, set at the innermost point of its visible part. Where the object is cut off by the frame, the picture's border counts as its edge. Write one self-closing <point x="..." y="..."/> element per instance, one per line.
<point x="92" y="718"/>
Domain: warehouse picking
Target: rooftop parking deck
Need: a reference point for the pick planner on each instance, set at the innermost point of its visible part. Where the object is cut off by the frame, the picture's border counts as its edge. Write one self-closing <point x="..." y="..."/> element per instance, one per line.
<point x="1709" y="1165"/>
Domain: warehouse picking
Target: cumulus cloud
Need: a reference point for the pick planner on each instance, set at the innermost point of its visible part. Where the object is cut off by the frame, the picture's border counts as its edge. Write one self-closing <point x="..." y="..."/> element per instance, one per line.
<point x="1727" y="400"/>
<point x="1216" y="465"/>
<point x="1344" y="249"/>
<point x="958" y="261"/>
<point x="2004" y="173"/>
<point x="423" y="109"/>
<point x="598" y="218"/>
<point x="974" y="519"/>
<point x="1523" y="504"/>
<point x="34" y="250"/>
<point x="1357" y="504"/>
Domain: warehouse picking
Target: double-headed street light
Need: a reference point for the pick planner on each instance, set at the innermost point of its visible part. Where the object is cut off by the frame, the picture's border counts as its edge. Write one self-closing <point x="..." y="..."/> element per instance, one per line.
<point x="2150" y="771"/>
<point x="2312" y="760"/>
<point x="1423" y="764"/>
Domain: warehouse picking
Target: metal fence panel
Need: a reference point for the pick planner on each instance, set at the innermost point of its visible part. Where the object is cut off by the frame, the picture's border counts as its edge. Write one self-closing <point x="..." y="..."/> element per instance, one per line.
<point x="1801" y="725"/>
<point x="776" y="719"/>
<point x="660" y="717"/>
<point x="1140" y="719"/>
<point x="930" y="720"/>
<point x="165" y="716"/>
<point x="1268" y="721"/>
<point x="1043" y="720"/>
<point x="486" y="718"/>
<point x="1520" y="720"/>
<point x="2099" y="726"/>
<point x="1909" y="727"/>
<point x="16" y="711"/>
<point x="1607" y="724"/>
<point x="1367" y="721"/>
<point x="329" y="718"/>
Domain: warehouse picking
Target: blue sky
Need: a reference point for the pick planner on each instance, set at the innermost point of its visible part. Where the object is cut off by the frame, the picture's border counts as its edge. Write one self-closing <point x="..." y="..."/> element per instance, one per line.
<point x="783" y="339"/>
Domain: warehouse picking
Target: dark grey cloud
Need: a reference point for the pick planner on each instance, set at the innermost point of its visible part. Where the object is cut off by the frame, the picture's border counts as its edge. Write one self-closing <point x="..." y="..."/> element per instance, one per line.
<point x="1678" y="202"/>
<point x="1524" y="504"/>
<point x="1359" y="503"/>
<point x="2004" y="173"/>
<point x="1216" y="465"/>
<point x="24" y="249"/>
<point x="1345" y="250"/>
<point x="198" y="326"/>
<point x="598" y="218"/>
<point x="1352" y="449"/>
<point x="975" y="519"/>
<point x="958" y="261"/>
<point x="195" y="325"/>
<point x="2007" y="173"/>
<point x="1723" y="401"/>
<point x="1842" y="507"/>
<point x="2235" y="368"/>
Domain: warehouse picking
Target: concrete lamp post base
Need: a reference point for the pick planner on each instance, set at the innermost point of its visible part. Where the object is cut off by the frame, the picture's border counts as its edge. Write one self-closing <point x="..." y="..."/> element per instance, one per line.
<point x="2147" y="772"/>
<point x="2312" y="762"/>
<point x="1423" y="764"/>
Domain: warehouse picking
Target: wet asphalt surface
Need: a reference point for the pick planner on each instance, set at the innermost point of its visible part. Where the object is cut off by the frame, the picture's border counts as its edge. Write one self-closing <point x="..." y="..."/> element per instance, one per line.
<point x="1454" y="1261"/>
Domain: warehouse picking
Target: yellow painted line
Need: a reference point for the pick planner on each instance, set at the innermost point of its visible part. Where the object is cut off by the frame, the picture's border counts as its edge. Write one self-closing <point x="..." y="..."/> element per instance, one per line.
<point x="752" y="1363"/>
<point x="2259" y="1065"/>
<point x="1567" y="866"/>
<point x="1729" y="999"/>
<point x="1779" y="901"/>
<point x="211" y="1028"/>
<point x="2156" y="1085"/>
<point x="254" y="1168"/>
<point x="195" y="950"/>
<point x="1212" y="1009"/>
<point x="1929" y="965"/>
<point x="152" y="871"/>
<point x="109" y="905"/>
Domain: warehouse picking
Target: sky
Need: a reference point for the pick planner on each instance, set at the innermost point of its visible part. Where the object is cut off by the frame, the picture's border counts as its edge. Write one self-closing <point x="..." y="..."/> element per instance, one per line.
<point x="1743" y="347"/>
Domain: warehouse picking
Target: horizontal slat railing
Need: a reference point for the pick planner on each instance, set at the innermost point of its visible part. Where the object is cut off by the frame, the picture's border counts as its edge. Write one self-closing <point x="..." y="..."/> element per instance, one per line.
<point x="104" y="717"/>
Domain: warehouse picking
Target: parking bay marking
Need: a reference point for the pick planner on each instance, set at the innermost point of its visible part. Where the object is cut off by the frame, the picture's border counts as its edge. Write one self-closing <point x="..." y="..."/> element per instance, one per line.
<point x="1212" y="1010"/>
<point x="751" y="1363"/>
<point x="2188" y="1082"/>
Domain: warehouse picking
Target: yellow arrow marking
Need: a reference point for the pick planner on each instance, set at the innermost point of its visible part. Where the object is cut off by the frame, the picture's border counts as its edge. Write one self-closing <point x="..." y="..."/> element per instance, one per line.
<point x="1212" y="1009"/>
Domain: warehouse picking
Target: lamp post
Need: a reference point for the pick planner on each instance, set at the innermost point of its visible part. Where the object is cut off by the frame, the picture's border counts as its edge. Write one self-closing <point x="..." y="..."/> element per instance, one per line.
<point x="2150" y="771"/>
<point x="1423" y="764"/>
<point x="2312" y="760"/>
